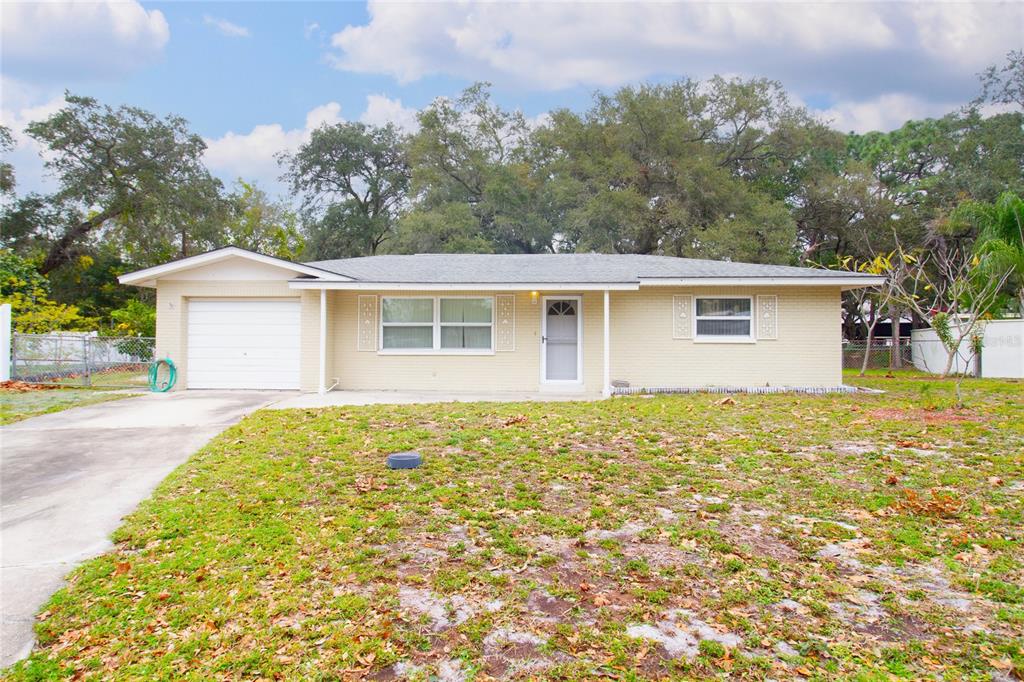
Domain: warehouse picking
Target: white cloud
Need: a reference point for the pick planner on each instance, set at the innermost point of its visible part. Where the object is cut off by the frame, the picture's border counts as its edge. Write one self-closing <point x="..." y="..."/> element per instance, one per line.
<point x="381" y="110"/>
<point x="225" y="27"/>
<point x="848" y="50"/>
<point x="310" y="29"/>
<point x="46" y="41"/>
<point x="886" y="112"/>
<point x="23" y="104"/>
<point x="252" y="155"/>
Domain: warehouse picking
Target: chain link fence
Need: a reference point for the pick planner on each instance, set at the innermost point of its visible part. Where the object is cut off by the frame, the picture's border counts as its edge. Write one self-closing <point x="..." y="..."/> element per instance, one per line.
<point x="879" y="357"/>
<point x="82" y="359"/>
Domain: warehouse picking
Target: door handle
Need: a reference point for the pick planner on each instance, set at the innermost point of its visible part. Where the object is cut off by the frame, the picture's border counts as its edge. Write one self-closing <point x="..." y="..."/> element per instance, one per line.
<point x="543" y="339"/>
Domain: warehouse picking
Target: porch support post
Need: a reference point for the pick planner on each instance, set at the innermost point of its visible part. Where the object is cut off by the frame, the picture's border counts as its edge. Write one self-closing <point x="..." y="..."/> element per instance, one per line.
<point x="5" y="341"/>
<point x="606" y="391"/>
<point x="322" y="375"/>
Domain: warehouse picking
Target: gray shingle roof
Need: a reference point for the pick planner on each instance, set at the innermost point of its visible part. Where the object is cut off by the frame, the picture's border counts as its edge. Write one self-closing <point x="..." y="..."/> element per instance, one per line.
<point x="568" y="268"/>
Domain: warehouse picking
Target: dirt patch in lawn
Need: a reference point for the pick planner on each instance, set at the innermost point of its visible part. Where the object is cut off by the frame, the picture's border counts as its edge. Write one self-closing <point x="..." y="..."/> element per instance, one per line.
<point x="945" y="416"/>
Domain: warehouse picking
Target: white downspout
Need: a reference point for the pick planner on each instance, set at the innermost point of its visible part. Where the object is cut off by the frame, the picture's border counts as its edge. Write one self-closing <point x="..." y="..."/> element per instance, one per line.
<point x="607" y="390"/>
<point x="322" y="379"/>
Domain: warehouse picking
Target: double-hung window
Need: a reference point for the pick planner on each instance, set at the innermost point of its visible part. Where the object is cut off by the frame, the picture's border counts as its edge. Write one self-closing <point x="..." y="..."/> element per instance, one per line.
<point x="724" y="318"/>
<point x="426" y="324"/>
<point x="466" y="323"/>
<point x="407" y="323"/>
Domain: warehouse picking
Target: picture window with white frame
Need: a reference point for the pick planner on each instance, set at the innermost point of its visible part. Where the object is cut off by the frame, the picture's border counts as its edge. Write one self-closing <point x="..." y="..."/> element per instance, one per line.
<point x="724" y="318"/>
<point x="437" y="324"/>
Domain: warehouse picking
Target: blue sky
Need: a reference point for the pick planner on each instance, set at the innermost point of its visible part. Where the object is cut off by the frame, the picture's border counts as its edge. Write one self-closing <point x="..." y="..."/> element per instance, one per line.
<point x="255" y="78"/>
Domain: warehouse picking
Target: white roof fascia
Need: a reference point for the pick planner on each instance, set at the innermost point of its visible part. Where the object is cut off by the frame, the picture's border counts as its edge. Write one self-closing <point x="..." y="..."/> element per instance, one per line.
<point x="460" y="286"/>
<point x="148" y="276"/>
<point x="844" y="282"/>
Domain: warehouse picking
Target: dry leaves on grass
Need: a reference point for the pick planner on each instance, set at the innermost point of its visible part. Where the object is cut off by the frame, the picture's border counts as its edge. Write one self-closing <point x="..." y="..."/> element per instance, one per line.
<point x="24" y="387"/>
<point x="915" y="444"/>
<point x="365" y="484"/>
<point x="939" y="504"/>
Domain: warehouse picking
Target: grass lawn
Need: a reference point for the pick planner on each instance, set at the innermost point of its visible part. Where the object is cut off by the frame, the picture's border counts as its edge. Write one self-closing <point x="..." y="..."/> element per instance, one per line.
<point x="781" y="536"/>
<point x="15" y="406"/>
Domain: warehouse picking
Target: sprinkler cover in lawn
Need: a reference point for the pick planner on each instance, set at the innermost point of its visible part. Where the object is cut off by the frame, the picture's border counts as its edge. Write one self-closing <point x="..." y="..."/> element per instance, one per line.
<point x="405" y="460"/>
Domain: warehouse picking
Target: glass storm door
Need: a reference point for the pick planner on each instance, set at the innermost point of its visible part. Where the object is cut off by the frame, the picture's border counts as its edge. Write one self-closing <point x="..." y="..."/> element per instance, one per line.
<point x="561" y="339"/>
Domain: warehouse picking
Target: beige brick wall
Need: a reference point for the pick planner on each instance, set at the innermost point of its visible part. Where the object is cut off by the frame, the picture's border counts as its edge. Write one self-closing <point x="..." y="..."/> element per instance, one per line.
<point x="517" y="370"/>
<point x="806" y="353"/>
<point x="172" y="298"/>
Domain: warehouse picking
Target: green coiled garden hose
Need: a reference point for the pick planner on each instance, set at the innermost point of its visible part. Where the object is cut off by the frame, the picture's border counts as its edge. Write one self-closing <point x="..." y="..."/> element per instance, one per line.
<point x="154" y="375"/>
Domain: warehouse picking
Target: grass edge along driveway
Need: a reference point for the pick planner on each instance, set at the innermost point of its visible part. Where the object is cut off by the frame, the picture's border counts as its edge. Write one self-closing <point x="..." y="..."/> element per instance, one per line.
<point x="16" y="406"/>
<point x="779" y="536"/>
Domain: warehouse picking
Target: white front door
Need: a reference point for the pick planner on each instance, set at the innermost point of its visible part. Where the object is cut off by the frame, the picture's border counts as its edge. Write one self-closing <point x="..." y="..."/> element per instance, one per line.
<point x="243" y="344"/>
<point x="560" y="338"/>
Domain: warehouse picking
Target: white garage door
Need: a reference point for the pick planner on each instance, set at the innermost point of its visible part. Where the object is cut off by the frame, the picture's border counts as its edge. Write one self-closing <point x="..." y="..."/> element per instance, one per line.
<point x="243" y="344"/>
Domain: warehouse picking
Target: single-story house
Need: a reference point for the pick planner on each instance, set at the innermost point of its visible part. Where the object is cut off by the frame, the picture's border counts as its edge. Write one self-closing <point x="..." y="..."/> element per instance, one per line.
<point x="588" y="323"/>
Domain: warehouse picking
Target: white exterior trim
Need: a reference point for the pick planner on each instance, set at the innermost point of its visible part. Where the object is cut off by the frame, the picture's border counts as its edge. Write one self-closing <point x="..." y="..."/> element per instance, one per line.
<point x="505" y="328"/>
<point x="578" y="381"/>
<point x="606" y="380"/>
<point x="148" y="276"/>
<point x="845" y="282"/>
<point x="462" y="286"/>
<point x="322" y="374"/>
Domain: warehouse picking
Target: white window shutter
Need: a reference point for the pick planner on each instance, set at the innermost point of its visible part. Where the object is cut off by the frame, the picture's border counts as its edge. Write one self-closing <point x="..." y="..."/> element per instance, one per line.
<point x="682" y="317"/>
<point x="366" y="325"/>
<point x="505" y="322"/>
<point x="768" y="317"/>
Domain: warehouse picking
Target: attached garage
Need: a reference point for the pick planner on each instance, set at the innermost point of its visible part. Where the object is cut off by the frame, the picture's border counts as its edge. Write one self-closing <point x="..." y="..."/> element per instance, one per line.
<point x="250" y="344"/>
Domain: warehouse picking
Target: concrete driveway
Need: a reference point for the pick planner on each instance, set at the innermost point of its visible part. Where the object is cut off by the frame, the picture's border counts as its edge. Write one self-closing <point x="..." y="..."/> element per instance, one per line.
<point x="67" y="479"/>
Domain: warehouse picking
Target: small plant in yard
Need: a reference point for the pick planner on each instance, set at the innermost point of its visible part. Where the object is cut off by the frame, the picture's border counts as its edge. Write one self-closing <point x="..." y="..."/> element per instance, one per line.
<point x="577" y="541"/>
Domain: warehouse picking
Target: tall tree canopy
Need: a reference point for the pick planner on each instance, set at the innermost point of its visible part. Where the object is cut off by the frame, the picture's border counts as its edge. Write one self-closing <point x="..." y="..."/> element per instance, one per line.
<point x="474" y="182"/>
<point x="120" y="168"/>
<point x="722" y="168"/>
<point x="688" y="169"/>
<point x="258" y="223"/>
<point x="353" y="180"/>
<point x="6" y="169"/>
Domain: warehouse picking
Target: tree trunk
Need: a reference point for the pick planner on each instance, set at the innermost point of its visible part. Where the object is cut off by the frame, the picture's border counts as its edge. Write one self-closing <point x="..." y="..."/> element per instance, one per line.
<point x="896" y="355"/>
<point x="949" y="362"/>
<point x="61" y="250"/>
<point x="867" y="346"/>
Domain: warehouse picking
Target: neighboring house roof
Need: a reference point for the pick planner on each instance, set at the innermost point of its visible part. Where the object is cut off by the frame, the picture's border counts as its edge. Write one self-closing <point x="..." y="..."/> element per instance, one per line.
<point x="568" y="268"/>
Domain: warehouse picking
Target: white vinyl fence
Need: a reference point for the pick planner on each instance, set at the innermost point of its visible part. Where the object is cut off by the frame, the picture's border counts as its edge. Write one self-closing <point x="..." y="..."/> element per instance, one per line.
<point x="1002" y="353"/>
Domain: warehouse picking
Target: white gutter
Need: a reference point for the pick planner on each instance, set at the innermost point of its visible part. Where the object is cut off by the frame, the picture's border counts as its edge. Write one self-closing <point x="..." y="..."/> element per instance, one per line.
<point x="461" y="286"/>
<point x="845" y="282"/>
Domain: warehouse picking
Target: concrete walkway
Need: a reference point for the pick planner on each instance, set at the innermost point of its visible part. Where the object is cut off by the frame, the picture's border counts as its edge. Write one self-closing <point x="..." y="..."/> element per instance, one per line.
<point x="344" y="398"/>
<point x="67" y="479"/>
